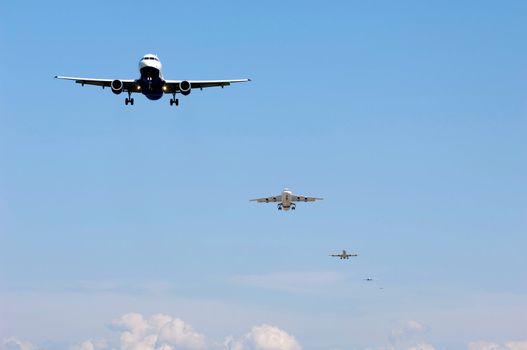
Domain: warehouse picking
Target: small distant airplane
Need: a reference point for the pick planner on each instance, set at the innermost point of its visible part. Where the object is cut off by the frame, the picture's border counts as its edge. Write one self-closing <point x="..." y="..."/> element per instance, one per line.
<point x="286" y="200"/>
<point x="344" y="255"/>
<point x="369" y="279"/>
<point x="151" y="82"/>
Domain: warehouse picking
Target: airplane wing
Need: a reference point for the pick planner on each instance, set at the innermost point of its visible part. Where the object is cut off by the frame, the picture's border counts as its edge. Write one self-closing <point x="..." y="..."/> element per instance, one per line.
<point x="335" y="255"/>
<point x="128" y="85"/>
<point x="173" y="85"/>
<point x="268" y="199"/>
<point x="304" y="199"/>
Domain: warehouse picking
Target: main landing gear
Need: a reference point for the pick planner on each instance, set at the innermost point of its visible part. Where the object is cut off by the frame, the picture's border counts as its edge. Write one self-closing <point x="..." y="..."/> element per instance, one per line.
<point x="174" y="100"/>
<point x="293" y="206"/>
<point x="129" y="99"/>
<point x="280" y="206"/>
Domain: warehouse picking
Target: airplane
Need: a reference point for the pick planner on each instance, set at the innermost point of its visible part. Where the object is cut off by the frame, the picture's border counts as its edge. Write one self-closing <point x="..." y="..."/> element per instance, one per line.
<point x="151" y="82"/>
<point x="368" y="279"/>
<point x="344" y="255"/>
<point x="286" y="200"/>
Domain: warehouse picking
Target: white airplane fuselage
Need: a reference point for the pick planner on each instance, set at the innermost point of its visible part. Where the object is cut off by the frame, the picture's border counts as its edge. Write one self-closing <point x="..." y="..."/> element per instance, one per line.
<point x="151" y="81"/>
<point x="345" y="255"/>
<point x="287" y="200"/>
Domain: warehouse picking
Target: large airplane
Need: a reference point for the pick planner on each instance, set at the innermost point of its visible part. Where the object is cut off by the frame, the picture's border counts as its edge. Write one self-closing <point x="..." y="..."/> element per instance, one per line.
<point x="151" y="82"/>
<point x="344" y="255"/>
<point x="286" y="200"/>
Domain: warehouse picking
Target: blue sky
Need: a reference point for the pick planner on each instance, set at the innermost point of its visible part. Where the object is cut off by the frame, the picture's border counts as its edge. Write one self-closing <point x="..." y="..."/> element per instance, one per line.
<point x="409" y="118"/>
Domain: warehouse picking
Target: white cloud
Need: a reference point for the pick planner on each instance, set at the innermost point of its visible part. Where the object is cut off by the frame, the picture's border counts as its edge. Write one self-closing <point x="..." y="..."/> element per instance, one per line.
<point x="418" y="346"/>
<point x="232" y="344"/>
<point x="179" y="333"/>
<point x="131" y="322"/>
<point x="516" y="345"/>
<point x="476" y="345"/>
<point x="87" y="345"/>
<point x="267" y="337"/>
<point x="482" y="345"/>
<point x="90" y="345"/>
<point x="407" y="329"/>
<point x="17" y="344"/>
<point x="421" y="346"/>
<point x="406" y="336"/>
<point x="511" y="345"/>
<point x="264" y="337"/>
<point x="159" y="332"/>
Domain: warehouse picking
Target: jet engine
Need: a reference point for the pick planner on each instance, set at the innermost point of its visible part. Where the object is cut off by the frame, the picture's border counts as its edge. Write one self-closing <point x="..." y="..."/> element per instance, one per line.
<point x="117" y="86"/>
<point x="184" y="87"/>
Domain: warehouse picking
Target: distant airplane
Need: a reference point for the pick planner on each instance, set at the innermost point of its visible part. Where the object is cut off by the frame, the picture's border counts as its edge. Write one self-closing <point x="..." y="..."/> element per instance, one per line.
<point x="286" y="200"/>
<point x="344" y="255"/>
<point x="151" y="82"/>
<point x="369" y="279"/>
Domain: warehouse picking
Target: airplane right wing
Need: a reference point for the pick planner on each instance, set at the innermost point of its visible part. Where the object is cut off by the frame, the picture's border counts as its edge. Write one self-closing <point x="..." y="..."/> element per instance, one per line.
<point x="268" y="199"/>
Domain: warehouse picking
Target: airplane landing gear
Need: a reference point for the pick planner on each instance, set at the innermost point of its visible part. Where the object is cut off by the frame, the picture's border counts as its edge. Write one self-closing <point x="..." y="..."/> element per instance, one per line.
<point x="174" y="100"/>
<point x="293" y="206"/>
<point x="129" y="99"/>
<point x="280" y="206"/>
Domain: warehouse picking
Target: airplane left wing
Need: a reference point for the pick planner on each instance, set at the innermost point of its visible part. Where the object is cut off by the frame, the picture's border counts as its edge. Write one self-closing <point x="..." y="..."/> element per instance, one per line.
<point x="268" y="199"/>
<point x="128" y="85"/>
<point x="304" y="199"/>
<point x="172" y="86"/>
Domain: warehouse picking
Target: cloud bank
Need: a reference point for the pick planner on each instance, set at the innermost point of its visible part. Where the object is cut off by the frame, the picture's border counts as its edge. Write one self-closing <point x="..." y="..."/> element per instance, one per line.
<point x="13" y="343"/>
<point x="164" y="332"/>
